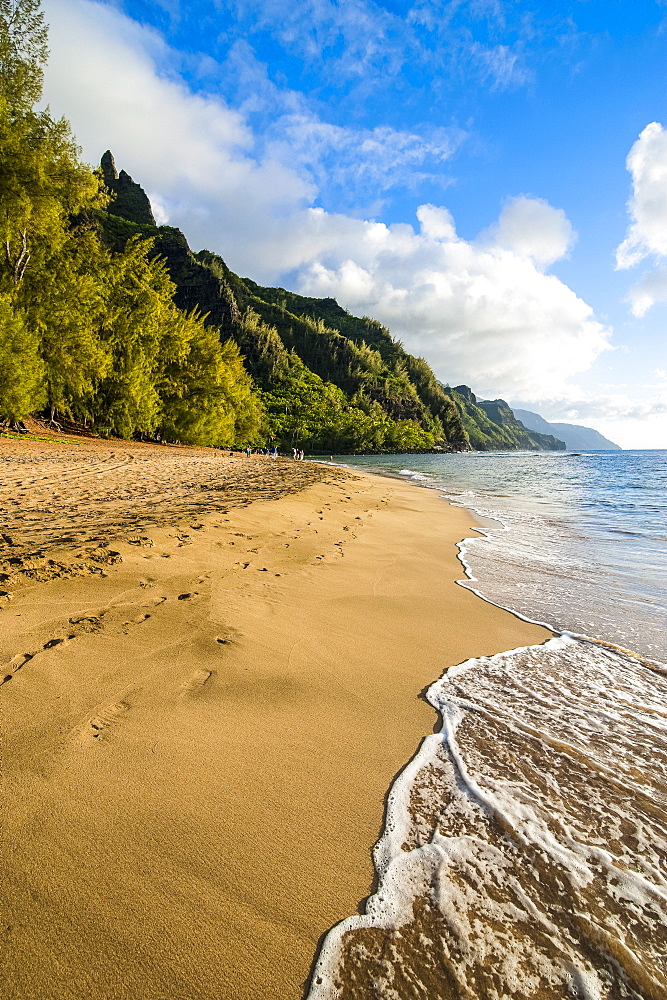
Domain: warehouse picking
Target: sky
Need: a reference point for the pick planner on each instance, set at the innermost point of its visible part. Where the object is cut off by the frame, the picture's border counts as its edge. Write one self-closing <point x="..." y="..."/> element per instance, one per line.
<point x="486" y="177"/>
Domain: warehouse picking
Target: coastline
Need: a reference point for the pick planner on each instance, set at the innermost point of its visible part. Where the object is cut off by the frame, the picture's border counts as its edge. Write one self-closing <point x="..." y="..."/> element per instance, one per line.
<point x="199" y="747"/>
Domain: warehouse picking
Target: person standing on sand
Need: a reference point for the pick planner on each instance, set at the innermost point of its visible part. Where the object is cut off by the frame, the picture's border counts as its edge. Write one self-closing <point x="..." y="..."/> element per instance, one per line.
<point x="274" y="452"/>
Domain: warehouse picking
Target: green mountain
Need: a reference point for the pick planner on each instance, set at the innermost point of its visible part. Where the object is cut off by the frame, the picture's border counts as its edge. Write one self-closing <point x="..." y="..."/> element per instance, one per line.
<point x="328" y="380"/>
<point x="110" y="320"/>
<point x="492" y="426"/>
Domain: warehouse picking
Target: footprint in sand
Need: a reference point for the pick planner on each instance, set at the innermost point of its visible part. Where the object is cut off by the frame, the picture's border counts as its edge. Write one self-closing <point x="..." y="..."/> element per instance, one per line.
<point x="56" y="642"/>
<point x="196" y="681"/>
<point x="102" y="720"/>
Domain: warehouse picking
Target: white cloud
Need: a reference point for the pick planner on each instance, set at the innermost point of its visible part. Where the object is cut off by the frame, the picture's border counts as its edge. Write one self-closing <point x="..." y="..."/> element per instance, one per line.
<point x="649" y="290"/>
<point x="610" y="407"/>
<point x="363" y="44"/>
<point x="647" y="162"/>
<point x="111" y="77"/>
<point x="360" y="163"/>
<point x="436" y="223"/>
<point x="531" y="227"/>
<point x="502" y="65"/>
<point x="647" y="235"/>
<point x="482" y="312"/>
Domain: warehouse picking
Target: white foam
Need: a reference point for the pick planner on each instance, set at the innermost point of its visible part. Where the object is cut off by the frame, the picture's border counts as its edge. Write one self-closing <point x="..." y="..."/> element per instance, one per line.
<point x="418" y="476"/>
<point x="578" y="888"/>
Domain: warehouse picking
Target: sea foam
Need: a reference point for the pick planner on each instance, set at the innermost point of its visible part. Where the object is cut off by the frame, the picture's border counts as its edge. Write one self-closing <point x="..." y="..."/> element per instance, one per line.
<point x="525" y="844"/>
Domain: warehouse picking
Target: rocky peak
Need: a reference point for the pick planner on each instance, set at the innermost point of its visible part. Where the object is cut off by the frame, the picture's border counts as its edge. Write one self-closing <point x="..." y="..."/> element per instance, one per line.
<point x="128" y="199"/>
<point x="466" y="392"/>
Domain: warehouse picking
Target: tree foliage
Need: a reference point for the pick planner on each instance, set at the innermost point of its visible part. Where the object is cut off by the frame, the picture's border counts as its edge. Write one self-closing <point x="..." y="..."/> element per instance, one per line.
<point x="23" y="53"/>
<point x="21" y="367"/>
<point x="89" y="330"/>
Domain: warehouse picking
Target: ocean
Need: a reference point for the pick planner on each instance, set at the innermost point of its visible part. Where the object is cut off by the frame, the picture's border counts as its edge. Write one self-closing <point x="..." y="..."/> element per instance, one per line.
<point x="524" y="851"/>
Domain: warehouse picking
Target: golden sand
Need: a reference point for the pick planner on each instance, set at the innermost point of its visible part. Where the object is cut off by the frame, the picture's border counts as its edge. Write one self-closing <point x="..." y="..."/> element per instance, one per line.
<point x="198" y="739"/>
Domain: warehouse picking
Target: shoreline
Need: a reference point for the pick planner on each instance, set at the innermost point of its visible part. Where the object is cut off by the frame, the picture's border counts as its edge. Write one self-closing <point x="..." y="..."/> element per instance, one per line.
<point x="461" y="547"/>
<point x="296" y="687"/>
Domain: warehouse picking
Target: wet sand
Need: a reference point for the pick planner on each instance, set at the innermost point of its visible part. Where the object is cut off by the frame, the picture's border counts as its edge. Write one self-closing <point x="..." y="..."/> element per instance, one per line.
<point x="215" y="673"/>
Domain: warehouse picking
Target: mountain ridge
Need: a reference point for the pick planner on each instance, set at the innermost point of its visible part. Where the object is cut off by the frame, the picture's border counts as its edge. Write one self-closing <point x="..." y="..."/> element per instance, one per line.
<point x="577" y="437"/>
<point x="327" y="379"/>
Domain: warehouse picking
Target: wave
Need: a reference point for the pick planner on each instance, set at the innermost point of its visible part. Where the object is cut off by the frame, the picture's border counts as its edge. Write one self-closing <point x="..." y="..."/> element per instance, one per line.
<point x="524" y="847"/>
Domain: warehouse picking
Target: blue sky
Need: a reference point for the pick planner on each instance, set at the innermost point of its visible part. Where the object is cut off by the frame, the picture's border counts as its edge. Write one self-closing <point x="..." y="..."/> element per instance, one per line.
<point x="456" y="169"/>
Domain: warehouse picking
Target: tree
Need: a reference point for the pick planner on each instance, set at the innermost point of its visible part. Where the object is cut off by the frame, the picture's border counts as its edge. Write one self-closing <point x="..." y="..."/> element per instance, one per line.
<point x="42" y="181"/>
<point x="21" y="368"/>
<point x="207" y="394"/>
<point x="42" y="185"/>
<point x="23" y="53"/>
<point x="64" y="297"/>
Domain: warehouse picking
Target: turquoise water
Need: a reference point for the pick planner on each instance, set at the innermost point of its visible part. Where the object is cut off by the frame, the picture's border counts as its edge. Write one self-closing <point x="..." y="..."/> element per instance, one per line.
<point x="578" y="541"/>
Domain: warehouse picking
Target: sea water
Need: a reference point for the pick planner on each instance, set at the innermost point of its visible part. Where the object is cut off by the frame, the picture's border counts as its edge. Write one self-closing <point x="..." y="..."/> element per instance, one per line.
<point x="524" y="852"/>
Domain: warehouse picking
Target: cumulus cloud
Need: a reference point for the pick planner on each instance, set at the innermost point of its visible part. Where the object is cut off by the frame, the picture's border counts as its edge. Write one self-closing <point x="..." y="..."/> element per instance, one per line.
<point x="113" y="79"/>
<point x="647" y="163"/>
<point x="647" y="234"/>
<point x="532" y="228"/>
<point x="483" y="312"/>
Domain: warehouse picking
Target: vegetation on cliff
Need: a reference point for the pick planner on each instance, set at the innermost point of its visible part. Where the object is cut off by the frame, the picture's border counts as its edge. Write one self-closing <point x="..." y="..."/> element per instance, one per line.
<point x="491" y="425"/>
<point x="113" y="321"/>
<point x="87" y="330"/>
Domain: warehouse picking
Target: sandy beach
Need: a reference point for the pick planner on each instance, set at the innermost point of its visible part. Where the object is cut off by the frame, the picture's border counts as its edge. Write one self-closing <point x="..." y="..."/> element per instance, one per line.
<point x="212" y="673"/>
